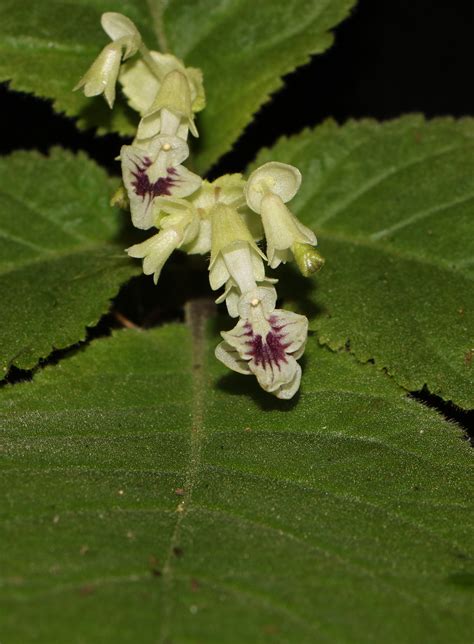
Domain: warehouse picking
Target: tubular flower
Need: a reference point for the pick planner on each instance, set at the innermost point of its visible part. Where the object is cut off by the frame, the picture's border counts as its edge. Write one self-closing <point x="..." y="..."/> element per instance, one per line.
<point x="155" y="251"/>
<point x="282" y="230"/>
<point x="227" y="190"/>
<point x="102" y="75"/>
<point x="141" y="80"/>
<point x="224" y="218"/>
<point x="171" y="112"/>
<point x="268" y="189"/>
<point x="234" y="253"/>
<point x="156" y="172"/>
<point x="266" y="342"/>
<point x="176" y="229"/>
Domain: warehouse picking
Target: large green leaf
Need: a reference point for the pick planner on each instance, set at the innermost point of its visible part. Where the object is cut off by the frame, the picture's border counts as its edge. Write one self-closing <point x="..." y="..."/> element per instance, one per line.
<point x="61" y="260"/>
<point x="242" y="46"/>
<point x="150" y="497"/>
<point x="393" y="206"/>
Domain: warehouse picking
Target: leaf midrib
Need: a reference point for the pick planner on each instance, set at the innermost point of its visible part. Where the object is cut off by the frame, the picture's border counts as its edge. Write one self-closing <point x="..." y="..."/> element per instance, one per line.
<point x="197" y="315"/>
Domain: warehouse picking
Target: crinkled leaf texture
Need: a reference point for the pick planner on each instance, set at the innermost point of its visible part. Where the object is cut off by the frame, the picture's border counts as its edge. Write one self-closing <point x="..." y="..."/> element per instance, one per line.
<point x="242" y="46"/>
<point x="393" y="207"/>
<point x="60" y="257"/>
<point x="150" y="495"/>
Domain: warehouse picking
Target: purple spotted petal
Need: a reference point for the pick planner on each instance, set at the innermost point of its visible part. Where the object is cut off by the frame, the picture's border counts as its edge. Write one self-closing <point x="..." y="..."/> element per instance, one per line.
<point x="175" y="181"/>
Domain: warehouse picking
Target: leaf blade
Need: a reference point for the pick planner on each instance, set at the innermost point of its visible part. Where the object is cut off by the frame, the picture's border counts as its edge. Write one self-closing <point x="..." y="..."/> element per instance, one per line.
<point x="286" y="526"/>
<point x="61" y="259"/>
<point x="243" y="49"/>
<point x="392" y="205"/>
<point x="246" y="50"/>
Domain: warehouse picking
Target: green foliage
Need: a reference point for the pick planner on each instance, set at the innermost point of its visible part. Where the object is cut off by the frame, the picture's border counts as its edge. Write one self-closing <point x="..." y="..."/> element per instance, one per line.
<point x="242" y="46"/>
<point x="148" y="494"/>
<point x="45" y="48"/>
<point x="175" y="503"/>
<point x="392" y="206"/>
<point x="61" y="256"/>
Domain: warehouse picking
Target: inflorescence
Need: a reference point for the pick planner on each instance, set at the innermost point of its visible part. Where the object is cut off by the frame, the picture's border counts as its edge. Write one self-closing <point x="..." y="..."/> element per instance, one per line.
<point x="224" y="218"/>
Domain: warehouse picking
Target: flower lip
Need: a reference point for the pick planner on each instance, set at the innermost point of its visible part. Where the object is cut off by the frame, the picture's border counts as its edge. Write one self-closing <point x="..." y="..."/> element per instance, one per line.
<point x="145" y="188"/>
<point x="148" y="177"/>
<point x="276" y="178"/>
<point x="268" y="351"/>
<point x="116" y="25"/>
<point x="267" y="342"/>
<point x="267" y="334"/>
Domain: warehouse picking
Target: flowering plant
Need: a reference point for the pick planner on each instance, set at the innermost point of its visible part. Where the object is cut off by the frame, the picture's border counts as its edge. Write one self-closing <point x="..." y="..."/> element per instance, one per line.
<point x="226" y="218"/>
<point x="150" y="492"/>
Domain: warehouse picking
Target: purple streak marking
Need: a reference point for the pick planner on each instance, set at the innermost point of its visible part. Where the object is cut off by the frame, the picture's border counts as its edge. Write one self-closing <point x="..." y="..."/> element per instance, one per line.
<point x="272" y="350"/>
<point x="143" y="186"/>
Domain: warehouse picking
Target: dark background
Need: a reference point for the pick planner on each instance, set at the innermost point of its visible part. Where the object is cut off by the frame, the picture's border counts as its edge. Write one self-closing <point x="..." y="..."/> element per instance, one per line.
<point x="390" y="57"/>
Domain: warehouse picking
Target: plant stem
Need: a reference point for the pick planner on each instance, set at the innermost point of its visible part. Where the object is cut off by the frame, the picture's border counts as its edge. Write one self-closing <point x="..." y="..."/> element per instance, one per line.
<point x="156" y="8"/>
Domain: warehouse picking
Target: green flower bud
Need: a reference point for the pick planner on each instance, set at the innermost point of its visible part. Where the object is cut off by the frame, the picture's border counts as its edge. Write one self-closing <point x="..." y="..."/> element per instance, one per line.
<point x="307" y="258"/>
<point x="120" y="198"/>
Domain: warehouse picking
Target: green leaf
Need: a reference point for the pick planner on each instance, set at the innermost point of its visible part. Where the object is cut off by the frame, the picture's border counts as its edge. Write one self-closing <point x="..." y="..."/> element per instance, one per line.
<point x="392" y="205"/>
<point x="242" y="46"/>
<point x="150" y="495"/>
<point x="47" y="46"/>
<point x="61" y="256"/>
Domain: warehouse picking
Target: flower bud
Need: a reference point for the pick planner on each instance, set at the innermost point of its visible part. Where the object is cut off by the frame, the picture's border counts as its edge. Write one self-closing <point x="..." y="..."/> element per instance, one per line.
<point x="307" y="258"/>
<point x="120" y="198"/>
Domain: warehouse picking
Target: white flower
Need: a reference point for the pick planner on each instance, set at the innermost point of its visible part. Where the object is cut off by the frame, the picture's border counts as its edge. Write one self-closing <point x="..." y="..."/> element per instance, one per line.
<point x="267" y="190"/>
<point x="266" y="342"/>
<point x="171" y="112"/>
<point x="141" y="80"/>
<point x="234" y="253"/>
<point x="232" y="294"/>
<point x="155" y="251"/>
<point x="153" y="173"/>
<point x="272" y="178"/>
<point x="120" y="28"/>
<point x="228" y="190"/>
<point x="102" y="75"/>
<point x="177" y="229"/>
<point x="282" y="230"/>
